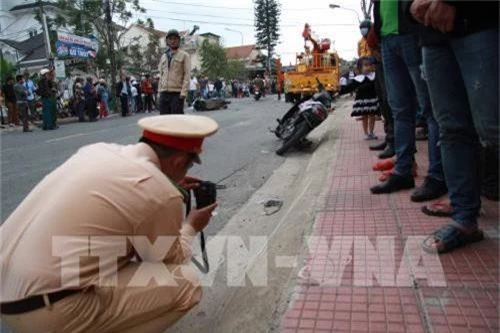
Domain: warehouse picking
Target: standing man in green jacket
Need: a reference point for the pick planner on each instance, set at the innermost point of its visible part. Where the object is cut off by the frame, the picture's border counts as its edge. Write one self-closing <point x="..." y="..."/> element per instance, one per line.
<point x="175" y="71"/>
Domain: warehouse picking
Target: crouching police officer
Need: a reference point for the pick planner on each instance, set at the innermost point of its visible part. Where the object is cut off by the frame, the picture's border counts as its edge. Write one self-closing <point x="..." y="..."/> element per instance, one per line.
<point x="95" y="249"/>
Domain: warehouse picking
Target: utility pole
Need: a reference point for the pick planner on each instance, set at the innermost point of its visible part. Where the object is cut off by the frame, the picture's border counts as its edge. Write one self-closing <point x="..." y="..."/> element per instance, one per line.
<point x="269" y="55"/>
<point x="46" y="32"/>
<point x="111" y="50"/>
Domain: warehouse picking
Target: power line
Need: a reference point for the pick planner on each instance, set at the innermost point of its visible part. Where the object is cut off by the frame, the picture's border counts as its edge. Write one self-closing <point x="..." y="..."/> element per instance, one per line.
<point x="230" y="8"/>
<point x="203" y="15"/>
<point x="238" y="24"/>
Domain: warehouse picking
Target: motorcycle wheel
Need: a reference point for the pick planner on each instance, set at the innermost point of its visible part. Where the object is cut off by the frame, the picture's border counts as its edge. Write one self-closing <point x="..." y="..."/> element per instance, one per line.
<point x="302" y="130"/>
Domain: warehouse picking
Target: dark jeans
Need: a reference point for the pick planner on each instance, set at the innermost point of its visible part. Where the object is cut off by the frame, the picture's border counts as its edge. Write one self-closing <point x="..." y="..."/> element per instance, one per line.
<point x="384" y="105"/>
<point x="91" y="106"/>
<point x="80" y="110"/>
<point x="124" y="104"/>
<point x="23" y="110"/>
<point x="32" y="110"/>
<point x="171" y="103"/>
<point x="402" y="57"/>
<point x="463" y="84"/>
<point x="191" y="97"/>
<point x="148" y="103"/>
<point x="48" y="107"/>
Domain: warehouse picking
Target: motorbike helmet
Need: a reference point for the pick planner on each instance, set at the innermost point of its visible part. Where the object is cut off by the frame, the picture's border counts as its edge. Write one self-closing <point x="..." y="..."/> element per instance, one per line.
<point x="173" y="33"/>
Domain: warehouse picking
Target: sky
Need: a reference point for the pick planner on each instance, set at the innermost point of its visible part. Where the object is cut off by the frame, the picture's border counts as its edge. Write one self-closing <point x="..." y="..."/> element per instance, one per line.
<point x="340" y="25"/>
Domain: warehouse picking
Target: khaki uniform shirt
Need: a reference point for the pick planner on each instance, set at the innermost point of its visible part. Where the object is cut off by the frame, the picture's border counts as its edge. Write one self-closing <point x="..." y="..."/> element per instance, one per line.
<point x="176" y="78"/>
<point x="102" y="190"/>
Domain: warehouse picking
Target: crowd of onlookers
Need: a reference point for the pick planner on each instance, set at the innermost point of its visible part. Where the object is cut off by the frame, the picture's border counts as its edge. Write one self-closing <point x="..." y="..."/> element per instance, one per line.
<point x="431" y="69"/>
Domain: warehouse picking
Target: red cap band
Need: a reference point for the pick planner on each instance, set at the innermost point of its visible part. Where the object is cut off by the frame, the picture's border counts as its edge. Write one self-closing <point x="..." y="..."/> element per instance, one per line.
<point x="184" y="144"/>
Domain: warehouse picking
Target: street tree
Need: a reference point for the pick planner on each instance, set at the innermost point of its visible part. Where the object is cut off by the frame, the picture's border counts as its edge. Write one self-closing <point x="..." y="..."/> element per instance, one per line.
<point x="96" y="17"/>
<point x="267" y="15"/>
<point x="235" y="69"/>
<point x="213" y="59"/>
<point x="151" y="58"/>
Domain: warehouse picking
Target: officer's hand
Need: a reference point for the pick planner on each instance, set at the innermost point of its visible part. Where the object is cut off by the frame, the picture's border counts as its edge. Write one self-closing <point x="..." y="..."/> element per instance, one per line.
<point x="199" y="218"/>
<point x="189" y="183"/>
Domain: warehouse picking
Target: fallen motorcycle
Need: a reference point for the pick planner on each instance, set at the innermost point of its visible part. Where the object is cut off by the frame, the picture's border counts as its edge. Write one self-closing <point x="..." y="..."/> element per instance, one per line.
<point x="301" y="119"/>
<point x="211" y="104"/>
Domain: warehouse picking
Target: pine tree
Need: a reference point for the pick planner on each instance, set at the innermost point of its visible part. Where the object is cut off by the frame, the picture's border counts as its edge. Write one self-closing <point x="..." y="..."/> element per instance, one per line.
<point x="267" y="14"/>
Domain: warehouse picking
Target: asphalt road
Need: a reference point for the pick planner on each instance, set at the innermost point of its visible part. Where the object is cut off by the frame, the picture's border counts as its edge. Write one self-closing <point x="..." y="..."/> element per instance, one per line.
<point x="240" y="156"/>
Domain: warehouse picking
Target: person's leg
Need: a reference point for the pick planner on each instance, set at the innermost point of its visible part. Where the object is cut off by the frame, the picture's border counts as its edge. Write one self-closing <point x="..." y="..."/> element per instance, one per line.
<point x="490" y="181"/>
<point x="81" y="110"/>
<point x="364" y="124"/>
<point x="177" y="104"/>
<point x="46" y="114"/>
<point x="164" y="100"/>
<point x="124" y="105"/>
<point x="401" y="97"/>
<point x="477" y="57"/>
<point x="139" y="306"/>
<point x="16" y="114"/>
<point x="32" y="110"/>
<point x="106" y="106"/>
<point x="53" y="114"/>
<point x="23" y="109"/>
<point x="146" y="103"/>
<point x="459" y="141"/>
<point x="10" y="112"/>
<point x="435" y="170"/>
<point x="371" y="124"/>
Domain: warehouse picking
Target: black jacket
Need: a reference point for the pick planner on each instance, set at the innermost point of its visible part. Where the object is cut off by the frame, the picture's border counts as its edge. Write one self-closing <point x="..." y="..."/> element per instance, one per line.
<point x="471" y="17"/>
<point x="405" y="25"/>
<point x="45" y="87"/>
<point x="8" y="92"/>
<point x="119" y="88"/>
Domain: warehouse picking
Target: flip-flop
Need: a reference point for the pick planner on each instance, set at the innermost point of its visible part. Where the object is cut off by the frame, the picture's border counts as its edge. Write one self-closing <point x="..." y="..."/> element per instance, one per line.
<point x="451" y="236"/>
<point x="438" y="208"/>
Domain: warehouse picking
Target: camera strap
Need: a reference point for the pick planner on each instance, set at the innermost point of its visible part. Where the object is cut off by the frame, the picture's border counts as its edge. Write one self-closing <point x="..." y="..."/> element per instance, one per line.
<point x="204" y="268"/>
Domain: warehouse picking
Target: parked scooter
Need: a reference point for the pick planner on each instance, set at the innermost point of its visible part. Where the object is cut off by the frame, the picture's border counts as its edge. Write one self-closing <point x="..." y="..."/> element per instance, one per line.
<point x="302" y="118"/>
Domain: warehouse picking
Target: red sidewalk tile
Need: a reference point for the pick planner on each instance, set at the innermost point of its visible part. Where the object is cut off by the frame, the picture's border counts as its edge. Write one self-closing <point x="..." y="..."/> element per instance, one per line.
<point x="349" y="283"/>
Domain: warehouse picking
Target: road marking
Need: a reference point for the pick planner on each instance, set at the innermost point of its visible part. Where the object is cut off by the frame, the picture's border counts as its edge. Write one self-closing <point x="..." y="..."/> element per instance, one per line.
<point x="83" y="134"/>
<point x="66" y="137"/>
<point x="241" y="124"/>
<point x="286" y="261"/>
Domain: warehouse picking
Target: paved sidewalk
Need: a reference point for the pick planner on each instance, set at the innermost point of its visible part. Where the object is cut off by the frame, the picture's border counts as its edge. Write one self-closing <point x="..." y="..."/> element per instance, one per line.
<point x="388" y="284"/>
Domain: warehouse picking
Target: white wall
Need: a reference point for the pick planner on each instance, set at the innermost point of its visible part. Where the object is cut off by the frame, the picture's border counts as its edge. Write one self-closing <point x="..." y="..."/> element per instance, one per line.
<point x="19" y="26"/>
<point x="141" y="35"/>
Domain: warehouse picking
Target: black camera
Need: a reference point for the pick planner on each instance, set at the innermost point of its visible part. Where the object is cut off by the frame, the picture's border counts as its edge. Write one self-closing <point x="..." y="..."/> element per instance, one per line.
<point x="205" y="194"/>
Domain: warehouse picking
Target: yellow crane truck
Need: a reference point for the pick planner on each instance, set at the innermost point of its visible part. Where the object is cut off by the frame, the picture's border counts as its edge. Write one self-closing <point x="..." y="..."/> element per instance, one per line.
<point x="321" y="64"/>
